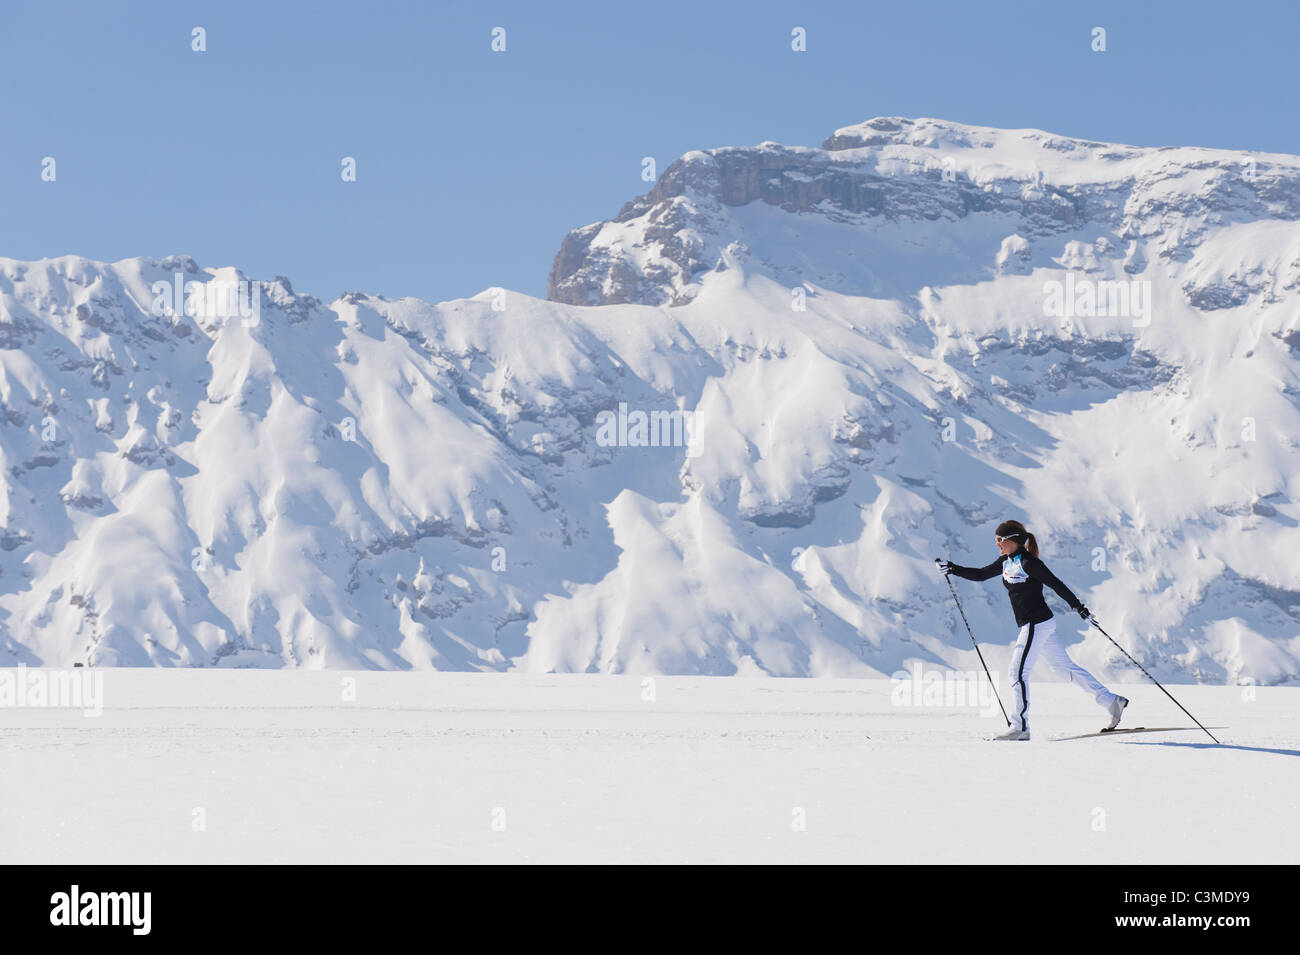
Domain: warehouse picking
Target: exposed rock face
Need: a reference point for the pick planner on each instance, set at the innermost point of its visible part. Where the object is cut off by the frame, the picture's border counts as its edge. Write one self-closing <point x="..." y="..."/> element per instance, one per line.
<point x="900" y="171"/>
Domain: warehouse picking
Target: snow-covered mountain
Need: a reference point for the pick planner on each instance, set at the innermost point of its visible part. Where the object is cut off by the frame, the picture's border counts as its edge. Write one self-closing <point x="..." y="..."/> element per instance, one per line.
<point x="759" y="402"/>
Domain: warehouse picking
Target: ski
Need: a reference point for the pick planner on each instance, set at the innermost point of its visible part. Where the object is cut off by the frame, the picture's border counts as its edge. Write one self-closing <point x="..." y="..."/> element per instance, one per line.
<point x="1134" y="729"/>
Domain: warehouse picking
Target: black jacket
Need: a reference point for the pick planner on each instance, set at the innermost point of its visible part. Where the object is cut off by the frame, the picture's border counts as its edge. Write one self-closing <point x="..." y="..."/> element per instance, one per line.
<point x="1024" y="576"/>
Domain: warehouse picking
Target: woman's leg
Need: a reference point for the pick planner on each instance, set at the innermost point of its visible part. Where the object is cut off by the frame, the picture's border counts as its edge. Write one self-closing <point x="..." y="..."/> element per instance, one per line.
<point x="1023" y="656"/>
<point x="1054" y="653"/>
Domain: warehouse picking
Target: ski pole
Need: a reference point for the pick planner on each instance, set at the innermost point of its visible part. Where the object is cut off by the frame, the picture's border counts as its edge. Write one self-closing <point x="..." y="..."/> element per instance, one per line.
<point x="953" y="590"/>
<point x="1151" y="678"/>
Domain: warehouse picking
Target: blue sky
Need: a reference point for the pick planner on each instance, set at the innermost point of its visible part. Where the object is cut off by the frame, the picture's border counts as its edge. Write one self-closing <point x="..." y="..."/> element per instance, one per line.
<point x="473" y="165"/>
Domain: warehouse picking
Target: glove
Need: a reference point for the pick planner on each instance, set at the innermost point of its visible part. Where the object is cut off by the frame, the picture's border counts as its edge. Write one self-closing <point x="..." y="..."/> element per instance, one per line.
<point x="945" y="567"/>
<point x="1084" y="612"/>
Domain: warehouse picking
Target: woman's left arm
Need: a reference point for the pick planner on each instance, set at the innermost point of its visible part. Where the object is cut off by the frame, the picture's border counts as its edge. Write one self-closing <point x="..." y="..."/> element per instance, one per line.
<point x="1036" y="569"/>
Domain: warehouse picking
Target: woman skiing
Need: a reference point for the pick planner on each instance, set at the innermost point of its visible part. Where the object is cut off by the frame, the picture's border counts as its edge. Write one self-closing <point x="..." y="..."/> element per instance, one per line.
<point x="1024" y="575"/>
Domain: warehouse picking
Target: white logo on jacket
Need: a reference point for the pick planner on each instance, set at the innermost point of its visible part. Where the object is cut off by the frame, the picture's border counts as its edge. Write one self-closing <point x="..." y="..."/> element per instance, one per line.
<point x="1012" y="572"/>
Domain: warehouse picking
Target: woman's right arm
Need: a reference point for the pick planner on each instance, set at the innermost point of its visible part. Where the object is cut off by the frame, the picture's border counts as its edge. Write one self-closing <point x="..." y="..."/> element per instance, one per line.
<point x="976" y="573"/>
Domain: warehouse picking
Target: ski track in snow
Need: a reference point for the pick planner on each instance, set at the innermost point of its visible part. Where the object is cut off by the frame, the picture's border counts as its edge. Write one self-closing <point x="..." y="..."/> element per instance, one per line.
<point x="586" y="770"/>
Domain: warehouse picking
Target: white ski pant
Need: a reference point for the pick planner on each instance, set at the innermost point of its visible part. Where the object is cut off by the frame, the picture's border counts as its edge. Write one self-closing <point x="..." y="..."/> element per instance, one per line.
<point x="1040" y="638"/>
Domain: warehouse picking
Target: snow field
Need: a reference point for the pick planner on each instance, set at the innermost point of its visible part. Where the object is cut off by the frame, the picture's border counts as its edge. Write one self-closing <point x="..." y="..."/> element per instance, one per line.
<point x="432" y="767"/>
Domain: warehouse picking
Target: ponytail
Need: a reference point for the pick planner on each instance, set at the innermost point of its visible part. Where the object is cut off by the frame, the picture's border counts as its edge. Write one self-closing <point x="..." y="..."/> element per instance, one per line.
<point x="1016" y="530"/>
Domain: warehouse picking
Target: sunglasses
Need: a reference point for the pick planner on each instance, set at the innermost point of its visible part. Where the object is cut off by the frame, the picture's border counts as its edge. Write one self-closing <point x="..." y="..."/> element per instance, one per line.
<point x="1005" y="540"/>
